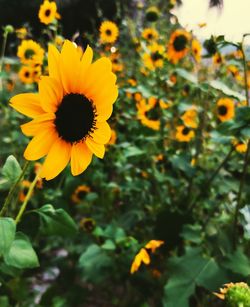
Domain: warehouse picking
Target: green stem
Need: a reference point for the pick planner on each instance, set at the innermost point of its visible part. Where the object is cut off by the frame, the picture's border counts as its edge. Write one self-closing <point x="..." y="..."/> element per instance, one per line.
<point x="27" y="198"/>
<point x="13" y="189"/>
<point x="5" y="37"/>
<point x="246" y="158"/>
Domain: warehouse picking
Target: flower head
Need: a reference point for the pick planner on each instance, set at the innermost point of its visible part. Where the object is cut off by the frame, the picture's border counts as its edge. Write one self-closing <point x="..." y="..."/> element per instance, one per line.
<point x="48" y="12"/>
<point x="30" y="52"/>
<point x="184" y="134"/>
<point x="236" y="294"/>
<point x="70" y="111"/>
<point x="225" y="109"/>
<point x="109" y="32"/>
<point x="178" y="45"/>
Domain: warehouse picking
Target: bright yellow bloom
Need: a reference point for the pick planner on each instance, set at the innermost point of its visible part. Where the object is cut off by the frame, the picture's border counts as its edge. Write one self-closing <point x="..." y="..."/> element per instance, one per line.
<point x="190" y="118"/>
<point x="196" y="50"/>
<point x="30" y="52"/>
<point x="70" y="112"/>
<point x="48" y="12"/>
<point x="153" y="245"/>
<point x="26" y="74"/>
<point x="218" y="59"/>
<point x="240" y="146"/>
<point x="184" y="134"/>
<point x="150" y="34"/>
<point x="225" y="109"/>
<point x="109" y="32"/>
<point x="79" y="193"/>
<point x="178" y="45"/>
<point x="154" y="57"/>
<point x="21" y="33"/>
<point x="141" y="257"/>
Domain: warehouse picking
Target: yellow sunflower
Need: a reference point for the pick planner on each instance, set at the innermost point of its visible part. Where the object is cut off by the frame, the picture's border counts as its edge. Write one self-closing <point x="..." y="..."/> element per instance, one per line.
<point x="218" y="59"/>
<point x="79" y="193"/>
<point x="147" y="118"/>
<point x="184" y="134"/>
<point x="178" y="45"/>
<point x="70" y="111"/>
<point x="190" y="118"/>
<point x="30" y="52"/>
<point x="196" y="50"/>
<point x="154" y="58"/>
<point x="240" y="146"/>
<point x="225" y="109"/>
<point x="26" y="74"/>
<point x="150" y="34"/>
<point x="108" y="32"/>
<point x="48" y="12"/>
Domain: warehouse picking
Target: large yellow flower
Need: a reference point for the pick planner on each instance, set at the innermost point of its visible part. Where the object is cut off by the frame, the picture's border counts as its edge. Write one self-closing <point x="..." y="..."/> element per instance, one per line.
<point x="108" y="32"/>
<point x="225" y="109"/>
<point x="178" y="45"/>
<point x="70" y="111"/>
<point x="30" y="52"/>
<point x="48" y="12"/>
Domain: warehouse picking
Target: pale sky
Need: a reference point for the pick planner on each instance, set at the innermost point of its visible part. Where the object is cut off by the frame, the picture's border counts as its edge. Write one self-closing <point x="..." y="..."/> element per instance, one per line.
<point x="232" y="21"/>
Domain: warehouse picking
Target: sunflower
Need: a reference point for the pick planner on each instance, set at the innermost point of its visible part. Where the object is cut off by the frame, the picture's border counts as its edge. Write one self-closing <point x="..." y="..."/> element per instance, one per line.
<point x="240" y="146"/>
<point x="70" y="111"/>
<point x="108" y="32"/>
<point x="26" y="74"/>
<point x="152" y="13"/>
<point x="190" y="118"/>
<point x="178" y="45"/>
<point x="150" y="34"/>
<point x="196" y="50"/>
<point x="225" y="109"/>
<point x="48" y="12"/>
<point x="147" y="118"/>
<point x="88" y="224"/>
<point x="218" y="59"/>
<point x="154" y="58"/>
<point x="184" y="134"/>
<point x="79" y="193"/>
<point x="30" y="52"/>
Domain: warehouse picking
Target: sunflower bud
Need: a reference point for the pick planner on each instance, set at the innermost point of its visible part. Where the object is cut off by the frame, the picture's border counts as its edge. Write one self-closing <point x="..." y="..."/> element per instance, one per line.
<point x="8" y="29"/>
<point x="238" y="295"/>
<point x="152" y="13"/>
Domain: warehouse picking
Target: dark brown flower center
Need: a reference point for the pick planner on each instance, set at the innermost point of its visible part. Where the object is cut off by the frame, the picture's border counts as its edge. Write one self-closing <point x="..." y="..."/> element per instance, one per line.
<point x="81" y="194"/>
<point x="47" y="12"/>
<point x="222" y="110"/>
<point x="155" y="56"/>
<point x="185" y="131"/>
<point x="29" y="53"/>
<point x="150" y="35"/>
<point x="27" y="74"/>
<point x="75" y="118"/>
<point x="180" y="43"/>
<point x="108" y="32"/>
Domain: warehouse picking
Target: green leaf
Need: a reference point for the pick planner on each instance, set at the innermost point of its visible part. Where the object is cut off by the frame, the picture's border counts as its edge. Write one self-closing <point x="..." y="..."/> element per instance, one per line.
<point x="192" y="233"/>
<point x="218" y="85"/>
<point x="56" y="221"/>
<point x="238" y="263"/>
<point x="11" y="169"/>
<point x="7" y="234"/>
<point x="109" y="245"/>
<point x="95" y="263"/>
<point x="132" y="151"/>
<point x="186" y="75"/>
<point x="21" y="254"/>
<point x="186" y="273"/>
<point x="4" y="301"/>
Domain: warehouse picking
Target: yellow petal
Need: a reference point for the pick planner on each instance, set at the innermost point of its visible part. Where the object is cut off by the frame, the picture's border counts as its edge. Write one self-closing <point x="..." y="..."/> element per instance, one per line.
<point x="81" y="157"/>
<point x="40" y="145"/>
<point x="56" y="160"/>
<point x="106" y="95"/>
<point x="103" y="112"/>
<point x="69" y="67"/>
<point x="102" y="133"/>
<point x="27" y="104"/>
<point x="51" y="94"/>
<point x="53" y="62"/>
<point x="100" y="81"/>
<point x="97" y="149"/>
<point x="38" y="124"/>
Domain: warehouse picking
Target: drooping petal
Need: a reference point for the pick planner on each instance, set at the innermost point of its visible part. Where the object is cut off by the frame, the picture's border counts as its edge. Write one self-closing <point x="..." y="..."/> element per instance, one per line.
<point x="27" y="104"/>
<point x="69" y="67"/>
<point x="97" y="149"/>
<point x="102" y="133"/>
<point x="51" y="94"/>
<point x="81" y="157"/>
<point x="56" y="160"/>
<point x="53" y="62"/>
<point x="40" y="145"/>
<point x="40" y="123"/>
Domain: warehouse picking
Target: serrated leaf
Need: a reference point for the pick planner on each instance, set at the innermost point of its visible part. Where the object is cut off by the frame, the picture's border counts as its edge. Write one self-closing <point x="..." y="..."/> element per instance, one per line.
<point x="7" y="234"/>
<point x="11" y="169"/>
<point x="56" y="221"/>
<point x="21" y="254"/>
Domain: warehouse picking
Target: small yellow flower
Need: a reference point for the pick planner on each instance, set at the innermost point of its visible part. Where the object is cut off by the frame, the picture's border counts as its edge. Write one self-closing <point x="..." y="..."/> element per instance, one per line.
<point x="109" y="32"/>
<point x="225" y="109"/>
<point x="190" y="118"/>
<point x="26" y="74"/>
<point x="196" y="50"/>
<point x="150" y="34"/>
<point x="240" y="146"/>
<point x="30" y="52"/>
<point x="154" y="58"/>
<point x="218" y="59"/>
<point x="184" y="134"/>
<point x="153" y="245"/>
<point x="178" y="45"/>
<point x="141" y="257"/>
<point x="79" y="193"/>
<point x="48" y="12"/>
